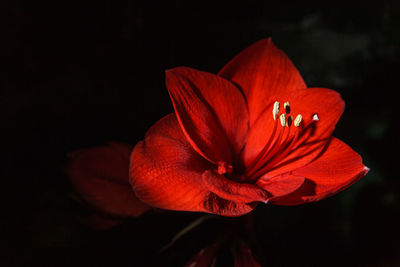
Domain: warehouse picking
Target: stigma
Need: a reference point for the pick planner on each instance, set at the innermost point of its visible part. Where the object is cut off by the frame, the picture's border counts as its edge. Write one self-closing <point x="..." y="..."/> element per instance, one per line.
<point x="224" y="168"/>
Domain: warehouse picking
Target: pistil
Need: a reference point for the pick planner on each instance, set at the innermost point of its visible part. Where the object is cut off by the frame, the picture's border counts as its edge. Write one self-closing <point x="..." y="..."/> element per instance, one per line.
<point x="224" y="168"/>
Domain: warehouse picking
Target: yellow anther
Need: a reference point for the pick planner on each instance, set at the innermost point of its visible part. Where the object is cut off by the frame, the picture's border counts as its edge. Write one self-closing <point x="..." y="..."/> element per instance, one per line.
<point x="283" y="119"/>
<point x="275" y="110"/>
<point x="315" y="117"/>
<point x="286" y="106"/>
<point x="297" y="121"/>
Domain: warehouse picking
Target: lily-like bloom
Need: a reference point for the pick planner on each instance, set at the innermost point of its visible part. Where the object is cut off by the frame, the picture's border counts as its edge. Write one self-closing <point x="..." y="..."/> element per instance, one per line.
<point x="253" y="133"/>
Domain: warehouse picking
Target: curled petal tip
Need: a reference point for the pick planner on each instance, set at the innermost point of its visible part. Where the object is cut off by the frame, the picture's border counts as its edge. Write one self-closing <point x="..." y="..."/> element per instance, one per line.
<point x="366" y="169"/>
<point x="268" y="41"/>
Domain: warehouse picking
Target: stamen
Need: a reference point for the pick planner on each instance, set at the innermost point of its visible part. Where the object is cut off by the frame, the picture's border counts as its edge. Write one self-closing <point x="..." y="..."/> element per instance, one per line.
<point x="285" y="151"/>
<point x="269" y="155"/>
<point x="297" y="121"/>
<point x="275" y="110"/>
<point x="268" y="150"/>
<point x="280" y="150"/>
<point x="258" y="169"/>
<point x="305" y="128"/>
<point x="283" y="119"/>
<point x="281" y="146"/>
<point x="286" y="106"/>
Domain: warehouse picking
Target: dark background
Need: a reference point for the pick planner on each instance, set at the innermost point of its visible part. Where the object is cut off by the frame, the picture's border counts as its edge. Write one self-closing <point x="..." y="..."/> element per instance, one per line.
<point x="79" y="74"/>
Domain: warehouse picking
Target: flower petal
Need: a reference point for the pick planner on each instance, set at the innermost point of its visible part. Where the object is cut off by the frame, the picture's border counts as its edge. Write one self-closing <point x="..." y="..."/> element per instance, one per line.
<point x="211" y="111"/>
<point x="221" y="206"/>
<point x="281" y="185"/>
<point x="100" y="176"/>
<point x="325" y="103"/>
<point x="265" y="74"/>
<point x="237" y="192"/>
<point x="167" y="173"/>
<point x="258" y="136"/>
<point x="337" y="168"/>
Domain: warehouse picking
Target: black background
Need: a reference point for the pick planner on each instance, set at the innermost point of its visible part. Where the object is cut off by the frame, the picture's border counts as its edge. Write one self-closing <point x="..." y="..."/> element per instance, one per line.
<point x="79" y="74"/>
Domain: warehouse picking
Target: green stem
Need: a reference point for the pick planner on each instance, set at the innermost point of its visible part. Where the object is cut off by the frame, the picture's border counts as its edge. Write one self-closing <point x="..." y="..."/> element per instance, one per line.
<point x="186" y="229"/>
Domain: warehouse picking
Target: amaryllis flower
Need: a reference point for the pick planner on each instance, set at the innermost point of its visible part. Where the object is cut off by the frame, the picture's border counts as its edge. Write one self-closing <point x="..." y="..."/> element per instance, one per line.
<point x="100" y="177"/>
<point x="253" y="133"/>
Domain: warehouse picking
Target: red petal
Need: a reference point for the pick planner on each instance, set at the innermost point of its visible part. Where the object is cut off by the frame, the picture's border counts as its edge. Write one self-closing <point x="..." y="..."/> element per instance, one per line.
<point x="265" y="75"/>
<point x="336" y="169"/>
<point x="243" y="256"/>
<point x="211" y="111"/>
<point x="258" y="136"/>
<point x="220" y="206"/>
<point x="167" y="173"/>
<point x="230" y="190"/>
<point x="281" y="185"/>
<point x="325" y="103"/>
<point x="100" y="175"/>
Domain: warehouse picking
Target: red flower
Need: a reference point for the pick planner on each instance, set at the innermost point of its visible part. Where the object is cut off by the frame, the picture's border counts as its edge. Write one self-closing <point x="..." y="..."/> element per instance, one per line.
<point x="100" y="176"/>
<point x="253" y="133"/>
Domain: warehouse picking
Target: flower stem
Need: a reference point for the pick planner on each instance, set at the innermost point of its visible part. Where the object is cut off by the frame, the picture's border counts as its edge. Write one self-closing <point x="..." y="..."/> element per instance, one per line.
<point x="187" y="229"/>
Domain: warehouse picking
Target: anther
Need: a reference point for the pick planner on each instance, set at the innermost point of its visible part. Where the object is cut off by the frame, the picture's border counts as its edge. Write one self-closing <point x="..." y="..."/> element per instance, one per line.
<point x="275" y="110"/>
<point x="286" y="106"/>
<point x="297" y="121"/>
<point x="315" y="117"/>
<point x="289" y="121"/>
<point x="283" y="119"/>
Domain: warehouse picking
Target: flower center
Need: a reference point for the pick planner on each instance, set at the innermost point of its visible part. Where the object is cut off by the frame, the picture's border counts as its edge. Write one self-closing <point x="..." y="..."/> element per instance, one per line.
<point x="224" y="168"/>
<point x="281" y="142"/>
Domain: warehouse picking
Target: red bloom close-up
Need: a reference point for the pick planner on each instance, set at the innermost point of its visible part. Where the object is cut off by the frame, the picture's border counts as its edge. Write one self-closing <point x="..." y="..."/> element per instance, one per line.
<point x="252" y="133"/>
